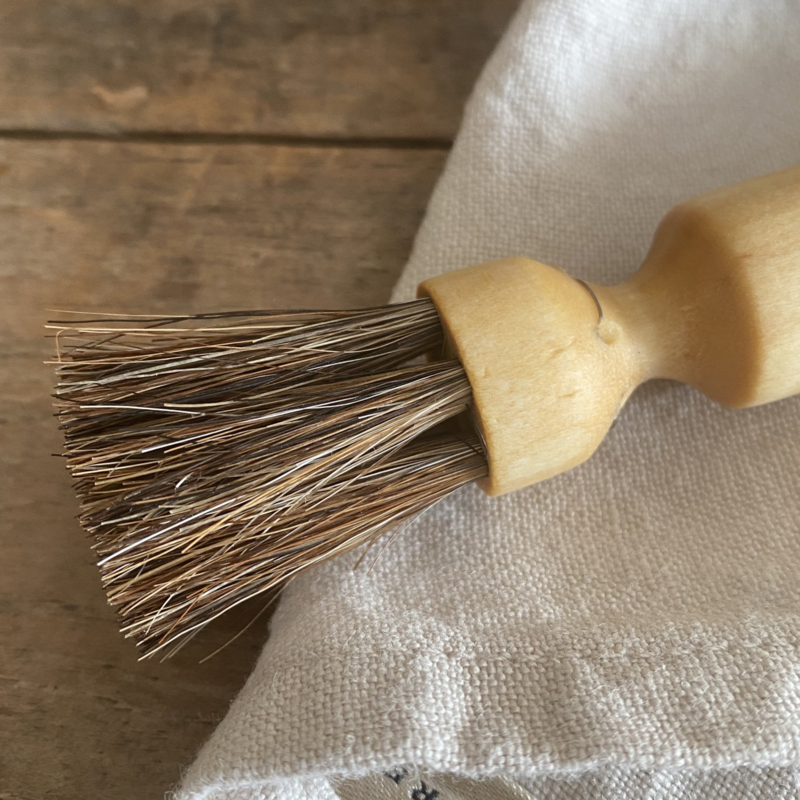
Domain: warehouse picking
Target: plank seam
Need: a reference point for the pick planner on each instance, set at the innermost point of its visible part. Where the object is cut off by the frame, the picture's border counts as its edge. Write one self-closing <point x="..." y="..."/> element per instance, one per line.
<point x="211" y="138"/>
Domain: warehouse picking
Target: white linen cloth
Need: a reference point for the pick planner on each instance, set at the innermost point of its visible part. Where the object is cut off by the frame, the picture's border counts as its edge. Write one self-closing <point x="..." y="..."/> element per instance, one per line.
<point x="631" y="628"/>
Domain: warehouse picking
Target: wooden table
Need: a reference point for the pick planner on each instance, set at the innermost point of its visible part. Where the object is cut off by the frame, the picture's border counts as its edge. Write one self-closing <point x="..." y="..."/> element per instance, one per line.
<point x="182" y="156"/>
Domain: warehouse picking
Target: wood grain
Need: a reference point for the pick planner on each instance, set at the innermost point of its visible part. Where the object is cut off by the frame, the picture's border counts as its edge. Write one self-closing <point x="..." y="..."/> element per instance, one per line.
<point x="148" y="228"/>
<point x="342" y="68"/>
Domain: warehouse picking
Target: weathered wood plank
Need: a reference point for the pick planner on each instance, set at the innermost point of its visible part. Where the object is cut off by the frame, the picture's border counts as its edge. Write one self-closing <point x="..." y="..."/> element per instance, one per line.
<point x="353" y="68"/>
<point x="148" y="228"/>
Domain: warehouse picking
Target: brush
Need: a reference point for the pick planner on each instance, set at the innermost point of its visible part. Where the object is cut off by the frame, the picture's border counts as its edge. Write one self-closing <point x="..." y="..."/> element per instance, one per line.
<point x="216" y="456"/>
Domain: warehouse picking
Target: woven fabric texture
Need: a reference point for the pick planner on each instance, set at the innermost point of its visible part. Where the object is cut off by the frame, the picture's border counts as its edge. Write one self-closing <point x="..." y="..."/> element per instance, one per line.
<point x="630" y="629"/>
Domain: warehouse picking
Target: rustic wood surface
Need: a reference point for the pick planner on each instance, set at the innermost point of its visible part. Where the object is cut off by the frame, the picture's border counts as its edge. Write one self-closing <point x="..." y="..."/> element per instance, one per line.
<point x="240" y="209"/>
<point x="353" y="68"/>
<point x="136" y="228"/>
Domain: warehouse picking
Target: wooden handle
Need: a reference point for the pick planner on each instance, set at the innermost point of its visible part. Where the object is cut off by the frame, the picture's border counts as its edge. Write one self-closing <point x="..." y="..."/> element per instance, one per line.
<point x="551" y="360"/>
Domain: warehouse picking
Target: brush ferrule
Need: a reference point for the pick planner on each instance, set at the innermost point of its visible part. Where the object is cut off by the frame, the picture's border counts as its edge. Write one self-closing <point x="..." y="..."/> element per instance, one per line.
<point x="548" y="373"/>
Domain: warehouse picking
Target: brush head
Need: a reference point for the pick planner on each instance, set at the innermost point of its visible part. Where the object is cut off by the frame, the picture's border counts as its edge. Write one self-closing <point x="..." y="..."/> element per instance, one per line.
<point x="217" y="456"/>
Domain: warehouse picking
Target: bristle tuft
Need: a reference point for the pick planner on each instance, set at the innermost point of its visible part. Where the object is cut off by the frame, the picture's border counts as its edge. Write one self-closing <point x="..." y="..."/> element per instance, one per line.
<point x="217" y="456"/>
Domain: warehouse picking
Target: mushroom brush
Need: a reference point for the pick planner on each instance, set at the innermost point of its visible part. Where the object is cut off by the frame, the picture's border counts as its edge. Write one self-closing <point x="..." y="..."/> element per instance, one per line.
<point x="216" y="456"/>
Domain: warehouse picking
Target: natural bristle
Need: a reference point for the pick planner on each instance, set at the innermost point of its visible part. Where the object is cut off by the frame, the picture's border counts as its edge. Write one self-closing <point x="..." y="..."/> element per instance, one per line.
<point x="165" y="590"/>
<point x="217" y="456"/>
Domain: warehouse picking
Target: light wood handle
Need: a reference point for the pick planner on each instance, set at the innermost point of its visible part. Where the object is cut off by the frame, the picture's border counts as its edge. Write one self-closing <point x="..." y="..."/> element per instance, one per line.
<point x="551" y="360"/>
